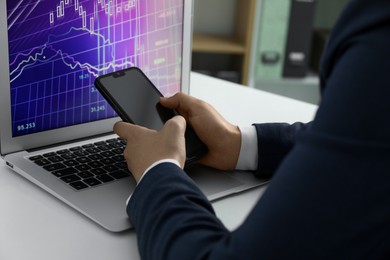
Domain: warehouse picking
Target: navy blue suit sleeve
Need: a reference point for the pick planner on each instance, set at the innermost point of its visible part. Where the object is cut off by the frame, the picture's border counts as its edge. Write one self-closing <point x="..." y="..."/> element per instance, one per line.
<point x="274" y="142"/>
<point x="329" y="197"/>
<point x="172" y="217"/>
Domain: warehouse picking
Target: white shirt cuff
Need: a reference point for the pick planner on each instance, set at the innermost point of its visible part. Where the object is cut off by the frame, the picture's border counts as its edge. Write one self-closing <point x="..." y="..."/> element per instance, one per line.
<point x="248" y="158"/>
<point x="150" y="167"/>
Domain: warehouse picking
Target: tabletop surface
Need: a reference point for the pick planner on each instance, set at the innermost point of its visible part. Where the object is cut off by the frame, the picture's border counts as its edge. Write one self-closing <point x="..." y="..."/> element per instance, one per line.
<point x="35" y="225"/>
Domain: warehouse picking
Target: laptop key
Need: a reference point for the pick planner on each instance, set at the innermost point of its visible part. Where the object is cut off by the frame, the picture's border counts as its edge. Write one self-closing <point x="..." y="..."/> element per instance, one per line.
<point x="107" y="161"/>
<point x="118" y="150"/>
<point x="70" y="178"/>
<point x="49" y="154"/>
<point x="95" y="157"/>
<point x="82" y="167"/>
<point x="116" y="145"/>
<point x="93" y="150"/>
<point x="107" y="154"/>
<point x="98" y="171"/>
<point x="119" y="174"/>
<point x="42" y="162"/>
<point x="76" y="148"/>
<point x="64" y="172"/>
<point x="68" y="156"/>
<point x="63" y="151"/>
<point x="85" y="174"/>
<point x="92" y="181"/>
<point x="81" y="153"/>
<point x="104" y="147"/>
<point x="54" y="167"/>
<point x="55" y="159"/>
<point x="118" y="158"/>
<point x="95" y="164"/>
<point x="110" y="168"/>
<point x="78" y="185"/>
<point x="87" y="146"/>
<point x="71" y="163"/>
<point x="105" y="178"/>
<point x="122" y="165"/>
<point x="83" y="160"/>
<point x="36" y="157"/>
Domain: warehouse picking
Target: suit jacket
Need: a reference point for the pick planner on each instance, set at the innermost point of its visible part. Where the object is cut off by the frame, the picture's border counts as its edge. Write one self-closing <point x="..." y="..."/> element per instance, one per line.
<point x="329" y="197"/>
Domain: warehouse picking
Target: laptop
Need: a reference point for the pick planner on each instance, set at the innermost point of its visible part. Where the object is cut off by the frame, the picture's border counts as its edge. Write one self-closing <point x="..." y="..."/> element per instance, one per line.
<point x="56" y="129"/>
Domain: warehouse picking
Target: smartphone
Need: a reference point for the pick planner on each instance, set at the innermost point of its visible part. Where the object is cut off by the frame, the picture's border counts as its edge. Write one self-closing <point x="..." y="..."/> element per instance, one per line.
<point x="137" y="100"/>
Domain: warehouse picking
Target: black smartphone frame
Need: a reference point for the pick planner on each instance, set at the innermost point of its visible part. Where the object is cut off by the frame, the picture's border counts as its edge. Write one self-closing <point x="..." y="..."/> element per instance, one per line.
<point x="194" y="146"/>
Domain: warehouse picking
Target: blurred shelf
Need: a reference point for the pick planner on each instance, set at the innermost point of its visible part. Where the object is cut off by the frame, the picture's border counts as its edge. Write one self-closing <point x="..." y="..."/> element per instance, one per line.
<point x="217" y="44"/>
<point x="237" y="46"/>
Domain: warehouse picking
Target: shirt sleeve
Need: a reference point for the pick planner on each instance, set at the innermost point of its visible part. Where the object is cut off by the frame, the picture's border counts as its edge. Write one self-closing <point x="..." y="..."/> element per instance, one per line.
<point x="248" y="153"/>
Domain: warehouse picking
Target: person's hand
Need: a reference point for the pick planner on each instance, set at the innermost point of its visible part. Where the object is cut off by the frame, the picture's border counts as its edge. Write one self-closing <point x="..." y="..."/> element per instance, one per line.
<point x="145" y="147"/>
<point x="222" y="138"/>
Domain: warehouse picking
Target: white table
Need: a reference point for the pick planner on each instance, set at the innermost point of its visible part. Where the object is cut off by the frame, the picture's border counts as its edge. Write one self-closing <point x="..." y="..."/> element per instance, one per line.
<point x="34" y="225"/>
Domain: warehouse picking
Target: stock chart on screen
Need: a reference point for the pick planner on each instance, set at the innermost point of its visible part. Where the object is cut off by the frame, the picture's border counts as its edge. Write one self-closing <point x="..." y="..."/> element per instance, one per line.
<point x="58" y="47"/>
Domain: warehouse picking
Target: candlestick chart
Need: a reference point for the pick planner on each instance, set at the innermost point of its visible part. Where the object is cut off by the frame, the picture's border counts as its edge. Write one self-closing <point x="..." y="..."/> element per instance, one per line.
<point x="58" y="48"/>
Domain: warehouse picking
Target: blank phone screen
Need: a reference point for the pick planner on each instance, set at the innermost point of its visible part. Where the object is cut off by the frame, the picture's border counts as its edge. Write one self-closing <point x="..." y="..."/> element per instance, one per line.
<point x="137" y="97"/>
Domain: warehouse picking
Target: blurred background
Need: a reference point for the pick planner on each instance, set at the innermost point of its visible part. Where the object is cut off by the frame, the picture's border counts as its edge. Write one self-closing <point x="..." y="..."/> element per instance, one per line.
<point x="273" y="45"/>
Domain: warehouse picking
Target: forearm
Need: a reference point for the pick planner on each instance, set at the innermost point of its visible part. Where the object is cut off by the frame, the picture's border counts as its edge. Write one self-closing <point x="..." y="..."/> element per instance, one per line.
<point x="172" y="217"/>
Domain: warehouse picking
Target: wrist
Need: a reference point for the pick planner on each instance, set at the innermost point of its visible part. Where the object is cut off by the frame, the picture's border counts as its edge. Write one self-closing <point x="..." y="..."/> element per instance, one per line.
<point x="174" y="161"/>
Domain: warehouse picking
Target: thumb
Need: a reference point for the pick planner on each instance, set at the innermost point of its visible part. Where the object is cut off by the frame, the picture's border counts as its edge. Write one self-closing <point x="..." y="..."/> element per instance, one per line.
<point x="176" y="126"/>
<point x="170" y="102"/>
<point x="182" y="103"/>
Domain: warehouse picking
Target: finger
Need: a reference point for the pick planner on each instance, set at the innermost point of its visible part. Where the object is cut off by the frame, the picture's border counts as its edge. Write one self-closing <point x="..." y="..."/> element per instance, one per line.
<point x="180" y="101"/>
<point x="171" y="102"/>
<point x="176" y="126"/>
<point x="123" y="129"/>
<point x="173" y="132"/>
<point x="128" y="131"/>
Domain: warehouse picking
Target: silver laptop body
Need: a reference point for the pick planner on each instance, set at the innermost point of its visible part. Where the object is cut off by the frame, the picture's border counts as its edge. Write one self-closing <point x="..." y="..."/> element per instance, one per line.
<point x="51" y="51"/>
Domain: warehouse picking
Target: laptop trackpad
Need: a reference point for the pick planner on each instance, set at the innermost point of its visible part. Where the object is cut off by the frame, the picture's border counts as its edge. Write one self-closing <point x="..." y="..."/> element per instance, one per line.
<point x="213" y="183"/>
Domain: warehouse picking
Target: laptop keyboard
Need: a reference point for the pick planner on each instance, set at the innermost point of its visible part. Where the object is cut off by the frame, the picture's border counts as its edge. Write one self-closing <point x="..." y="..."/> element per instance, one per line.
<point x="88" y="165"/>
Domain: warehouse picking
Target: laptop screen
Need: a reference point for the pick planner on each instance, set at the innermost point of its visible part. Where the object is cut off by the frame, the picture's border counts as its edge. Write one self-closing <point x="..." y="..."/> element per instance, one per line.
<point x="57" y="49"/>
